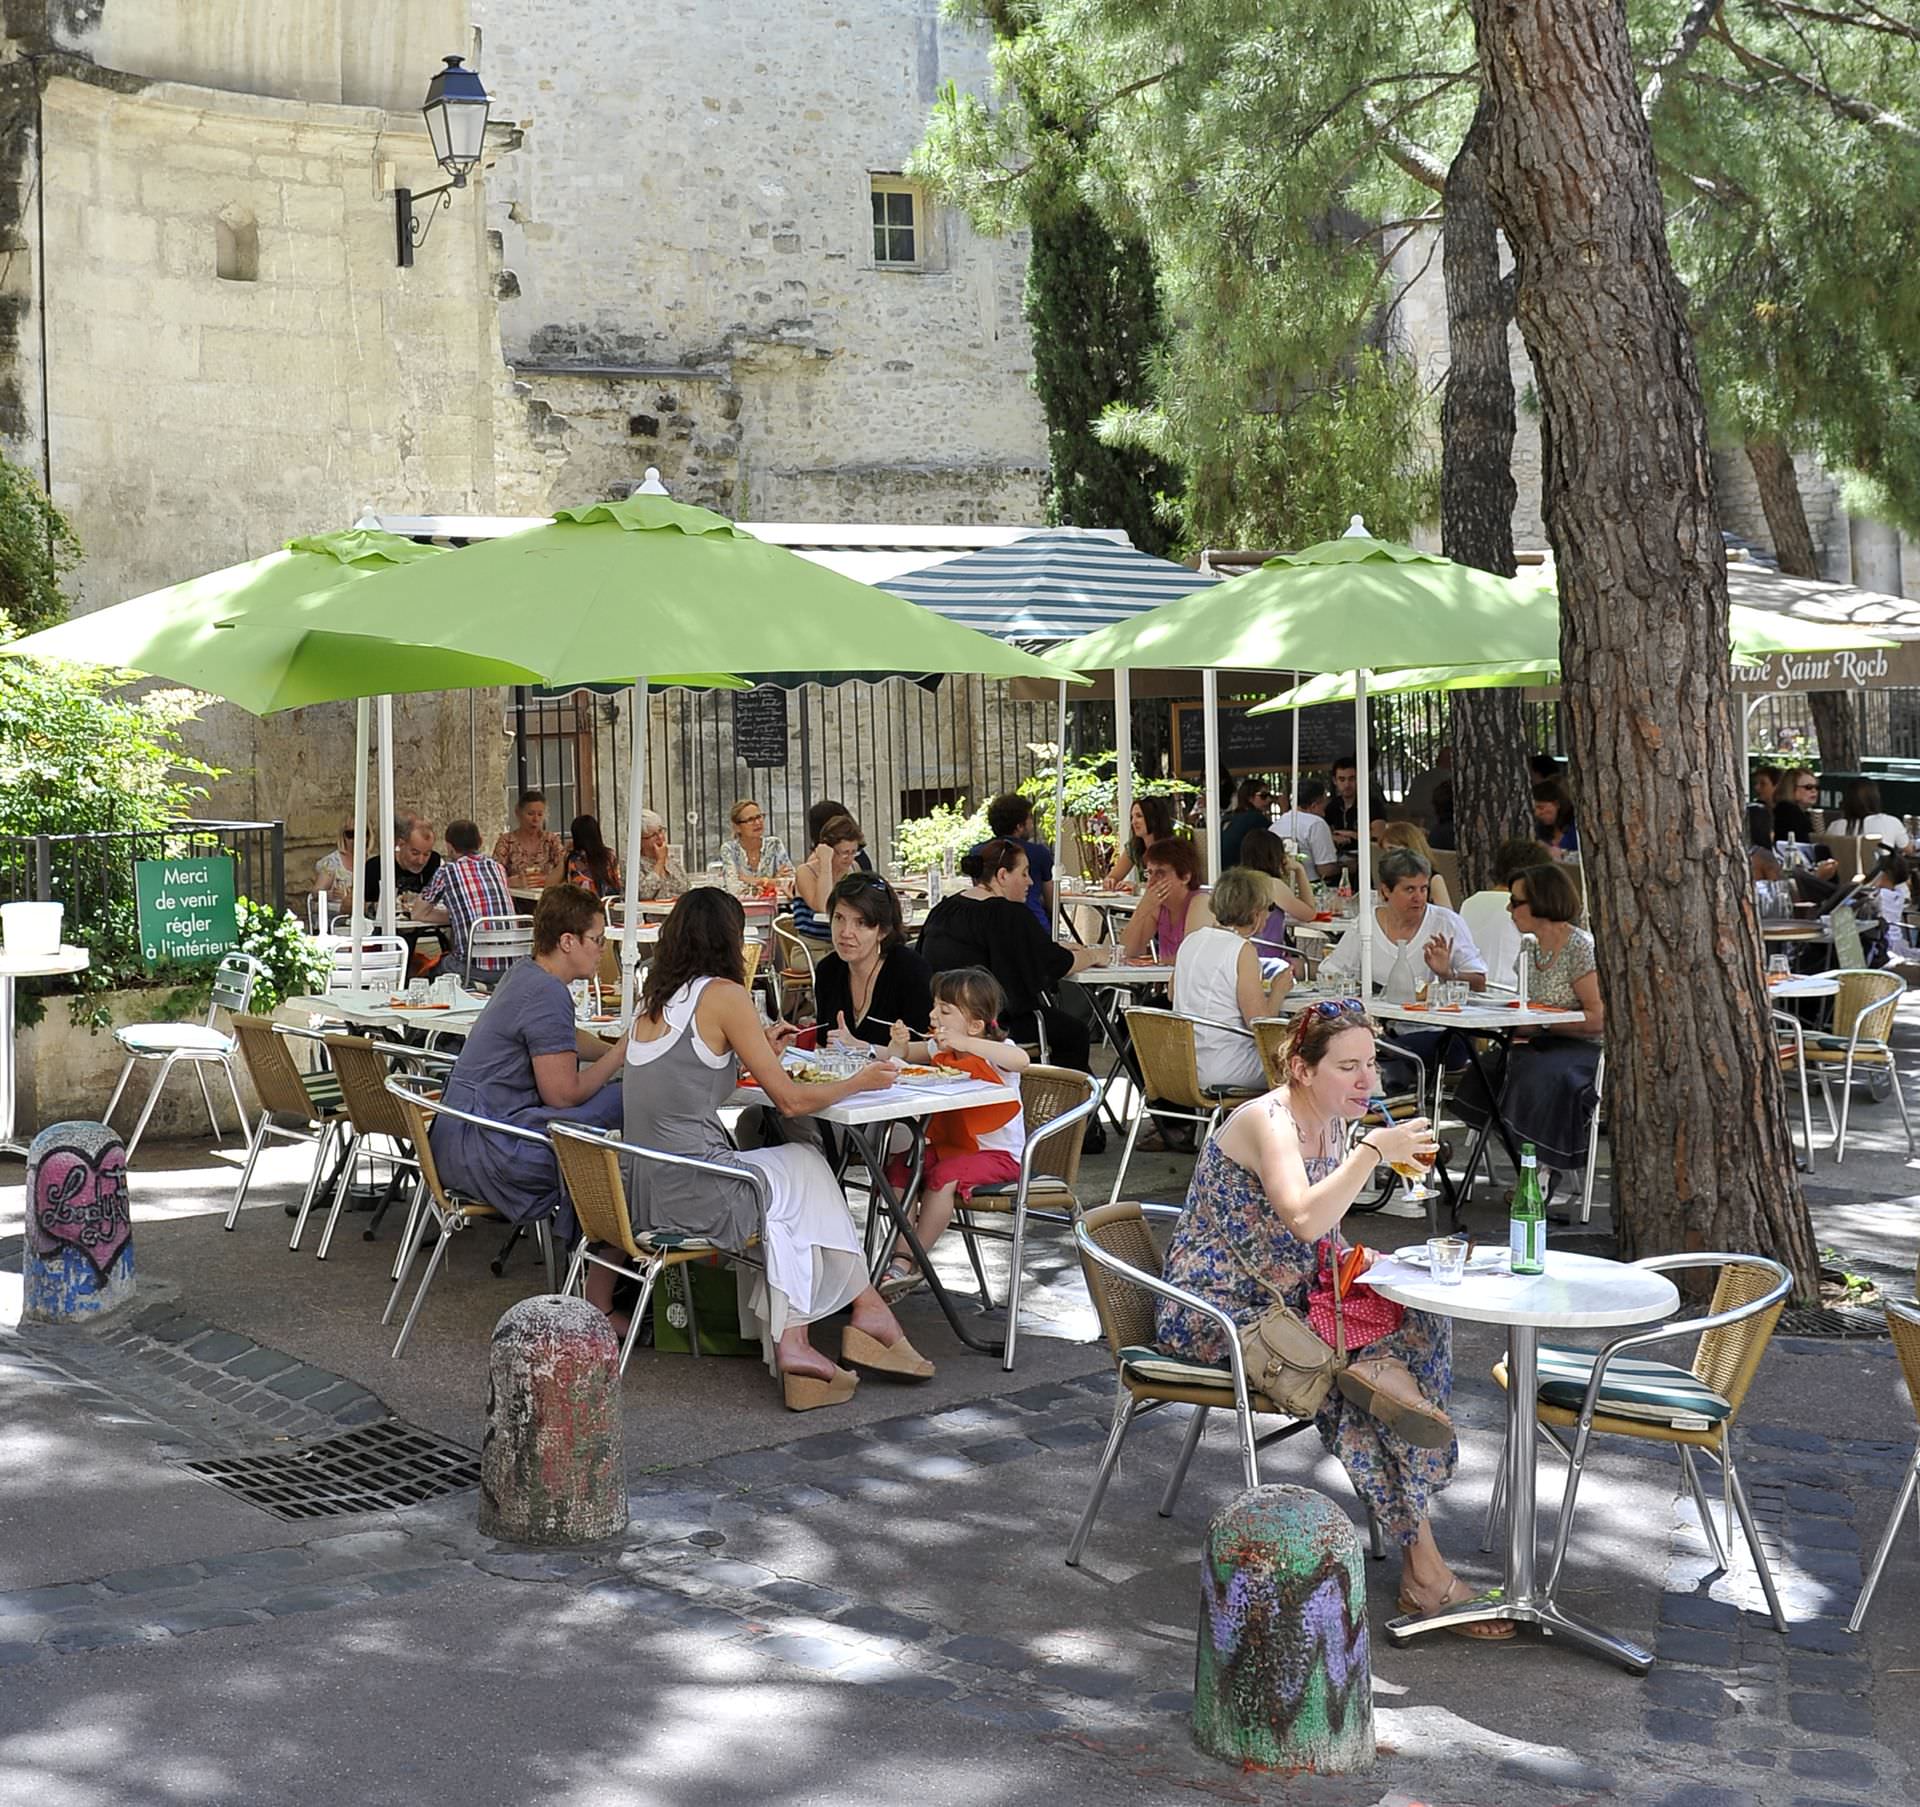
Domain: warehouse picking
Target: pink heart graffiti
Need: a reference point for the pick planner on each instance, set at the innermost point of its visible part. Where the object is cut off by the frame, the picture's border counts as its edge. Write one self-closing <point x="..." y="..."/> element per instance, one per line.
<point x="80" y="1198"/>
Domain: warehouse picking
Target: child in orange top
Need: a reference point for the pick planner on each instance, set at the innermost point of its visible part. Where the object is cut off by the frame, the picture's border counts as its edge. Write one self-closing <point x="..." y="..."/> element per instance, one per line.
<point x="980" y="1146"/>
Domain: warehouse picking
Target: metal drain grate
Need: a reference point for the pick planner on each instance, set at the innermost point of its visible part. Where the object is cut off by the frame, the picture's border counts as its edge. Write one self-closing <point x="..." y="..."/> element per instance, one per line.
<point x="1831" y="1321"/>
<point x="375" y="1469"/>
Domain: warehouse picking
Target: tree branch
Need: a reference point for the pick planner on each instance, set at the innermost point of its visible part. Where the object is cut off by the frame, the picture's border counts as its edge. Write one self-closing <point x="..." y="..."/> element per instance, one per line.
<point x="1686" y="38"/>
<point x="1847" y="106"/>
<point x="1413" y="159"/>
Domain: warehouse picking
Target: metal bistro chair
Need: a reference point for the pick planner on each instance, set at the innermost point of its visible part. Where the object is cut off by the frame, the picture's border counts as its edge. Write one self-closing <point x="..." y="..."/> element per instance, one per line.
<point x="1169" y="1070"/>
<point x="362" y="1066"/>
<point x="200" y="1045"/>
<point x="590" y="1169"/>
<point x="312" y="1100"/>
<point x="450" y="1212"/>
<point x="1859" y="1043"/>
<point x="383" y="965"/>
<point x="795" y="971"/>
<point x="1903" y="1323"/>
<point x="1613" y="1390"/>
<point x="1122" y="1268"/>
<point x="1057" y="1103"/>
<point x="496" y="941"/>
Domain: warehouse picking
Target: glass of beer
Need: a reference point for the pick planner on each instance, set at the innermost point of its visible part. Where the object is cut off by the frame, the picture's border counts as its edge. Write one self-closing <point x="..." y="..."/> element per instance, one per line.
<point x="1414" y="1172"/>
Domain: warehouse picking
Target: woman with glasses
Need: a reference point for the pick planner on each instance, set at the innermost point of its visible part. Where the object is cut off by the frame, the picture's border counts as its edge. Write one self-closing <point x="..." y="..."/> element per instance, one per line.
<point x="753" y="859"/>
<point x="872" y="979"/>
<point x="1252" y="808"/>
<point x="1550" y="1097"/>
<point x="1262" y="1216"/>
<point x="1414" y="940"/>
<point x="522" y="1064"/>
<point x="837" y="846"/>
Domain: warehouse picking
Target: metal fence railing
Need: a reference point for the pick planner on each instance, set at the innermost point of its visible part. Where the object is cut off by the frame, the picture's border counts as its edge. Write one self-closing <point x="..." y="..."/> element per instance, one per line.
<point x="93" y="874"/>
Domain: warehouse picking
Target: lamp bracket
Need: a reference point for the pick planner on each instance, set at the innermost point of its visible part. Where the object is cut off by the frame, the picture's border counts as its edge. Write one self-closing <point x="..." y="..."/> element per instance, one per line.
<point x="411" y="229"/>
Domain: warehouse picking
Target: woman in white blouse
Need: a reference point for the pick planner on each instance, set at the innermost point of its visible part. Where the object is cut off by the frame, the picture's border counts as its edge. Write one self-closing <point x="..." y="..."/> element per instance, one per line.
<point x="1414" y="940"/>
<point x="1216" y="977"/>
<point x="1861" y="814"/>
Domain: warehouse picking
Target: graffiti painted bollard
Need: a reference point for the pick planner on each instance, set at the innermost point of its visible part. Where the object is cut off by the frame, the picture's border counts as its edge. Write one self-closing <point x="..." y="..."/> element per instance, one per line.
<point x="78" y="1262"/>
<point x="552" y="1467"/>
<point x="1282" y="1679"/>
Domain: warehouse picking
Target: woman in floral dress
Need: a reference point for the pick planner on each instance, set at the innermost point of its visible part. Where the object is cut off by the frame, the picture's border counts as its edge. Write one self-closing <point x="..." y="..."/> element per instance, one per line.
<point x="1271" y="1183"/>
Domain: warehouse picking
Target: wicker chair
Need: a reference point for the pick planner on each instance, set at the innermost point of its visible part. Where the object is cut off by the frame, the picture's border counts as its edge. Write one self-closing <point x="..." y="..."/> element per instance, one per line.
<point x="451" y="1212"/>
<point x="362" y="1066"/>
<point x="1122" y="1268"/>
<point x="311" y="1100"/>
<point x="1056" y="1103"/>
<point x="1170" y="1076"/>
<point x="200" y="1045"/>
<point x="590" y="1170"/>
<point x="1693" y="1408"/>
<point x="1903" y="1322"/>
<point x="1862" y="1023"/>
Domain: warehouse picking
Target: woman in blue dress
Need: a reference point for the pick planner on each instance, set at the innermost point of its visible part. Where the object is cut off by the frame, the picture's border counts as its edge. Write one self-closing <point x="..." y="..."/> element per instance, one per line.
<point x="1272" y="1182"/>
<point x="522" y="1065"/>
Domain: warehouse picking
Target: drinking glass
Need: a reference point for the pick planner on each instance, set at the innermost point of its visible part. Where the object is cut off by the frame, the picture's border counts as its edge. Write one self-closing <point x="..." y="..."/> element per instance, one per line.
<point x="1413" y="1172"/>
<point x="1447" y="1259"/>
<point x="416" y="991"/>
<point x="1778" y="968"/>
<point x="446" y="989"/>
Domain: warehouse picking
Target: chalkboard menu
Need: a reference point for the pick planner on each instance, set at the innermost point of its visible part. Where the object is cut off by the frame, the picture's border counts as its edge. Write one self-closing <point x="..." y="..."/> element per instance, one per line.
<point x="1262" y="743"/>
<point x="760" y="725"/>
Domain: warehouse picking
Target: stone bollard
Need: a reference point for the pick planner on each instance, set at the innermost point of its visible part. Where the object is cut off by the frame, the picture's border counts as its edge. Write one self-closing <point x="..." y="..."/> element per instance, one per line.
<point x="1282" y="1678"/>
<point x="78" y="1262"/>
<point x="552" y="1468"/>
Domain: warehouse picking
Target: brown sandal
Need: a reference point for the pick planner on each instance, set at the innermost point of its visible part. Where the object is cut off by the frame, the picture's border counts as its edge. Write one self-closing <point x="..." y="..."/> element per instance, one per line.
<point x="1385" y="1390"/>
<point x="807" y="1392"/>
<point x="1485" y="1631"/>
<point x="899" y="1360"/>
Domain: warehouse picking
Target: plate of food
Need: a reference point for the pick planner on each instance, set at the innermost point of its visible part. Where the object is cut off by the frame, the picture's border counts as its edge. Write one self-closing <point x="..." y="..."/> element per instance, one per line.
<point x="1479" y="1261"/>
<point x="934" y="1075"/>
<point x="804" y="1072"/>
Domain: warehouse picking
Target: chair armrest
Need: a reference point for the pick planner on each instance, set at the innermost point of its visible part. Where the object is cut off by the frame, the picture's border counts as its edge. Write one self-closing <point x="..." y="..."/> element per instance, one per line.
<point x="605" y="1138"/>
<point x="1053" y="1127"/>
<point x="1684" y="1327"/>
<point x="1207" y="1022"/>
<point x="398" y="1086"/>
<point x="1153" y="1283"/>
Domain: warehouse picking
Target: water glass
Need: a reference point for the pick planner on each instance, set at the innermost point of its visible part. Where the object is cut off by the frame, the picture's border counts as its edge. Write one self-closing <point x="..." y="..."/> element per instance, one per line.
<point x="445" y="989"/>
<point x="416" y="991"/>
<point x="1447" y="1259"/>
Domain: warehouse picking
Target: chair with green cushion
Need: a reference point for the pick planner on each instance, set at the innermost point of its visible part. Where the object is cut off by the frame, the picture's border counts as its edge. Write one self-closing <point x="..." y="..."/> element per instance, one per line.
<point x="1122" y="1268"/>
<point x="1694" y="1408"/>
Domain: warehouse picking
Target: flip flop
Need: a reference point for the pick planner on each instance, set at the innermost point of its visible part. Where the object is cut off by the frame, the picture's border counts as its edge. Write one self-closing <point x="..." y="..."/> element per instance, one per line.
<point x="1484" y="1631"/>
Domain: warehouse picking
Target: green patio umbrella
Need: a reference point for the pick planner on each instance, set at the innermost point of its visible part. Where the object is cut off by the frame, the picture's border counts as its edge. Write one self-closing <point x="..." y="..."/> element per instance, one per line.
<point x="625" y="591"/>
<point x="189" y="632"/>
<point x="1343" y="605"/>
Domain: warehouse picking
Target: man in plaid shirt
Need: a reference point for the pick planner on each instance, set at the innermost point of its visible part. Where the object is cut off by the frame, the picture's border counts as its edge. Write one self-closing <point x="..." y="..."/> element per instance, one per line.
<point x="470" y="885"/>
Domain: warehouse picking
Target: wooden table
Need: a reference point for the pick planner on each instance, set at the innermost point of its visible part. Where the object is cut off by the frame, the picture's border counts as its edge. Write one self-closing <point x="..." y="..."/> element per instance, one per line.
<point x="1577" y="1292"/>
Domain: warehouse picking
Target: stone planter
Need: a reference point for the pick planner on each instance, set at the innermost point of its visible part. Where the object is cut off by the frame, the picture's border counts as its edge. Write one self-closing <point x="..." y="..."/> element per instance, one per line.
<point x="67" y="1070"/>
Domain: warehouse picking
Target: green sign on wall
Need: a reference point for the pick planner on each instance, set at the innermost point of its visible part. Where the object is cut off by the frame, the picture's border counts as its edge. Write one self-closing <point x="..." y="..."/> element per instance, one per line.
<point x="186" y="909"/>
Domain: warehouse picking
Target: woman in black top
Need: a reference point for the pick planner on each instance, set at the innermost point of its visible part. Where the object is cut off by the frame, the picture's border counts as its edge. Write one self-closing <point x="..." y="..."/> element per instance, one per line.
<point x="872" y="979"/>
<point x="988" y="924"/>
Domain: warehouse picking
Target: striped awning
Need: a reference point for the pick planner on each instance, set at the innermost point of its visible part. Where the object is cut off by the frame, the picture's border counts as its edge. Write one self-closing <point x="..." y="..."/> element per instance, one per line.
<point x="1048" y="586"/>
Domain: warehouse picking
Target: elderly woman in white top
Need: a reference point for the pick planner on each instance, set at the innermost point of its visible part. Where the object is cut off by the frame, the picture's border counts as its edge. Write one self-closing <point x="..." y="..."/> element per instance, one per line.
<point x="661" y="875"/>
<point x="1216" y="978"/>
<point x="1414" y="940"/>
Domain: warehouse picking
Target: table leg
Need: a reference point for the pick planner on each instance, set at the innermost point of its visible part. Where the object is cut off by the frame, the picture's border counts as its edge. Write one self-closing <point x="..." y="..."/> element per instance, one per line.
<point x="1518" y="1599"/>
<point x="1100" y="1000"/>
<point x="8" y="1072"/>
<point x="872" y="1150"/>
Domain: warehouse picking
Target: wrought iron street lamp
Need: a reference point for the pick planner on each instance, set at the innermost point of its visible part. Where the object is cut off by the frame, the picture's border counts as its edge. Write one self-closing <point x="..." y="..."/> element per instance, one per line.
<point x="456" y="110"/>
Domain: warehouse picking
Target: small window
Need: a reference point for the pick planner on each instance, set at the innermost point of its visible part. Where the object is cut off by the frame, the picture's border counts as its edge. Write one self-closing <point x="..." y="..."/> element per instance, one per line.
<point x="899" y="225"/>
<point x="236" y="246"/>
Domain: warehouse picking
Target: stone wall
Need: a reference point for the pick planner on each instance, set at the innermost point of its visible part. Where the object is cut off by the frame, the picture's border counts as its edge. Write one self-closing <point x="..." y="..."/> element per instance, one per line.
<point x="693" y="221"/>
<point x="233" y="357"/>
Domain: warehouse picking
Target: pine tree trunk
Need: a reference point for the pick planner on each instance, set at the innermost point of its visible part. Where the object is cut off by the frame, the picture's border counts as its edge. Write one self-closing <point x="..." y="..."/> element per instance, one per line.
<point x="1702" y="1158"/>
<point x="1835" y="719"/>
<point x="1491" y="797"/>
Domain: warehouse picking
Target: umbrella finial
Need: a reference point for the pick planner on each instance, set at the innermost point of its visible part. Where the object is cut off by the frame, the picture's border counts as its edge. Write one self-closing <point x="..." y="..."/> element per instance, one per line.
<point x="652" y="486"/>
<point x="1356" y="529"/>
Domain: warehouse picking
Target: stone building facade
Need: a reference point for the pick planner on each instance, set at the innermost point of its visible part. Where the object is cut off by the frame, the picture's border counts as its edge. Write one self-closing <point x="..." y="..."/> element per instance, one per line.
<point x="229" y="354"/>
<point x="692" y="275"/>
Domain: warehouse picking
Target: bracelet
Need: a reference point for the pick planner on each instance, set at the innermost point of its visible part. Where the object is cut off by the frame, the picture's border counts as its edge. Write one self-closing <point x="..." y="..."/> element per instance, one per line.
<point x="1372" y="1146"/>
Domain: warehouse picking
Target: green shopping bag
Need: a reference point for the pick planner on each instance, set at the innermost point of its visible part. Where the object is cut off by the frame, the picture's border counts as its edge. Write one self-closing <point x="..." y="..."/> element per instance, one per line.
<point x="716" y="1304"/>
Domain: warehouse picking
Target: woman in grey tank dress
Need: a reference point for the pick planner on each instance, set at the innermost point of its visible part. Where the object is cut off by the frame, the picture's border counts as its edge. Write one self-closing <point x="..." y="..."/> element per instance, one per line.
<point x="696" y="1027"/>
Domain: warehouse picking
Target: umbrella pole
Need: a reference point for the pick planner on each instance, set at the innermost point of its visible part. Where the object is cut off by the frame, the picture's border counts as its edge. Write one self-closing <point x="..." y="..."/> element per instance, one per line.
<point x="388" y="813"/>
<point x="1123" y="760"/>
<point x="636" y="804"/>
<point x="357" y="898"/>
<point x="1059" y="805"/>
<point x="1210" y="741"/>
<point x="1363" y="850"/>
<point x="1293" y="781"/>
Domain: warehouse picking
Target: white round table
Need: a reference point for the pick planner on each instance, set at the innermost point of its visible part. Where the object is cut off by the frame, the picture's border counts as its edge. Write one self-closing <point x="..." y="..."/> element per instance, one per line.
<point x="24" y="966"/>
<point x="1577" y="1292"/>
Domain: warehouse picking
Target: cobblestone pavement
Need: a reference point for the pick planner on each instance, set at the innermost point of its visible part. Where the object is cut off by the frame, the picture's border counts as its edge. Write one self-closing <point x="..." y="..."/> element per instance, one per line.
<point x="1733" y="1714"/>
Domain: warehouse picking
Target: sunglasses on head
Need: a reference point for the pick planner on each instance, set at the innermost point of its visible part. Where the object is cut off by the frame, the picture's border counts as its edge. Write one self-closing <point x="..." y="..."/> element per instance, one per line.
<point x="1332" y="1007"/>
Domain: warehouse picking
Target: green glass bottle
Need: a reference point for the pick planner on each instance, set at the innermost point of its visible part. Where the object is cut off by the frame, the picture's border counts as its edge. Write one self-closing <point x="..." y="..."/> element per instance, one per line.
<point x="1527" y="1220"/>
